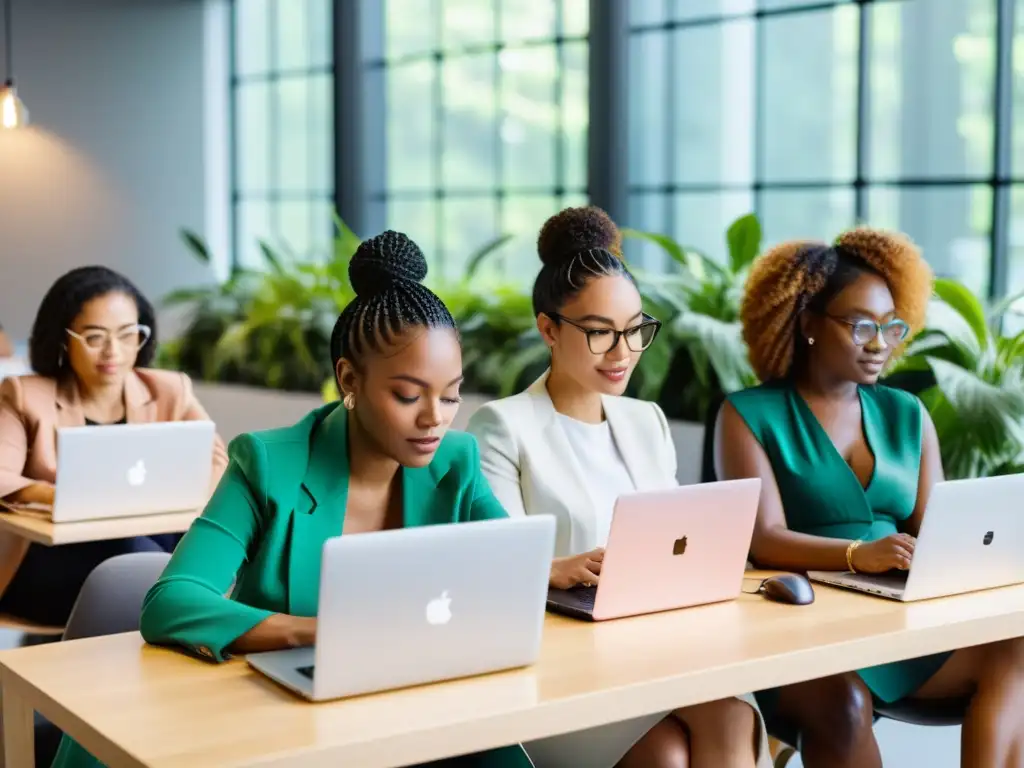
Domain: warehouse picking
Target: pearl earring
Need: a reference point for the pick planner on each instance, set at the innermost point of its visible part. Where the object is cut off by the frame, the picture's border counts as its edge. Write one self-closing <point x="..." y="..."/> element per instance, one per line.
<point x="810" y="340"/>
<point x="349" y="401"/>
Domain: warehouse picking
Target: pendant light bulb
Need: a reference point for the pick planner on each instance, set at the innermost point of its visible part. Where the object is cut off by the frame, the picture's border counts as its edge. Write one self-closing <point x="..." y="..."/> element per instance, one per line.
<point x="13" y="113"/>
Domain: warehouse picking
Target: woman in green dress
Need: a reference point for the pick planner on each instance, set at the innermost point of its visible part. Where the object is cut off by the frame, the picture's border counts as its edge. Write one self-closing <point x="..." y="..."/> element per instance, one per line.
<point x="847" y="466"/>
<point x="379" y="459"/>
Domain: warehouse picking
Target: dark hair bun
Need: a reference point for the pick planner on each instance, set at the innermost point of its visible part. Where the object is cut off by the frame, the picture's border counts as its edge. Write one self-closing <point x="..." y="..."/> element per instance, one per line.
<point x="383" y="260"/>
<point x="577" y="229"/>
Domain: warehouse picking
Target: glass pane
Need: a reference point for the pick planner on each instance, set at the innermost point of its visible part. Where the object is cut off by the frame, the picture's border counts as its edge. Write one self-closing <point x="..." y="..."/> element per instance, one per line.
<point x="1015" y="281"/>
<point x="467" y="22"/>
<point x="575" y="17"/>
<point x="291" y="144"/>
<point x="252" y="141"/>
<point x="469" y="122"/>
<point x="648" y="11"/>
<point x="950" y="224"/>
<point x="418" y="220"/>
<point x="648" y="114"/>
<point x="1017" y="129"/>
<point x="714" y="85"/>
<point x="575" y="113"/>
<point x="295" y="229"/>
<point x="648" y="213"/>
<point x="528" y="20"/>
<point x="805" y="214"/>
<point x="409" y="26"/>
<point x="321" y="133"/>
<point x="776" y="5"/>
<point x="686" y="10"/>
<point x="252" y="36"/>
<point x="469" y="224"/>
<point x="303" y="34"/>
<point x="410" y="126"/>
<point x="810" y="98"/>
<point x="523" y="216"/>
<point x="253" y="221"/>
<point x="932" y="79"/>
<point x="703" y="218"/>
<point x="530" y="119"/>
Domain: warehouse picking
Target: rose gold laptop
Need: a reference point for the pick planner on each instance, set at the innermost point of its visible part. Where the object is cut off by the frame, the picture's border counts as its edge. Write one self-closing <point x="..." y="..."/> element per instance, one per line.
<point x="670" y="549"/>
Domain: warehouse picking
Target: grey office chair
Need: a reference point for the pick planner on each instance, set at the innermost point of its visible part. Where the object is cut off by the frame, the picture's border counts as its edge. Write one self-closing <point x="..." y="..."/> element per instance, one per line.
<point x="110" y="602"/>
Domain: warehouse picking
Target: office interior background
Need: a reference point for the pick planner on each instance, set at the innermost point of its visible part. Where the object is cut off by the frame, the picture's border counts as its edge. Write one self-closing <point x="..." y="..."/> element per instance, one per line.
<point x="459" y="121"/>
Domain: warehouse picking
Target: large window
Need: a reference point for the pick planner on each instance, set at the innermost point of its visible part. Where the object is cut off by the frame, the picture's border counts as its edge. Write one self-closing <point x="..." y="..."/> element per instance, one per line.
<point x="283" y="126"/>
<point x="819" y="115"/>
<point x="486" y="121"/>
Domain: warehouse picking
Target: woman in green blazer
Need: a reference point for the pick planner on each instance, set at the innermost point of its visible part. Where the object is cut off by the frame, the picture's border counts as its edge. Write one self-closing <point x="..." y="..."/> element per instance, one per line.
<point x="379" y="459"/>
<point x="846" y="467"/>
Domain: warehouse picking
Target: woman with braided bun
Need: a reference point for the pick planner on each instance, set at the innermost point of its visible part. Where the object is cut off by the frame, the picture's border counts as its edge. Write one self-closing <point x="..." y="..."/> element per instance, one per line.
<point x="569" y="446"/>
<point x="372" y="461"/>
<point x="846" y="466"/>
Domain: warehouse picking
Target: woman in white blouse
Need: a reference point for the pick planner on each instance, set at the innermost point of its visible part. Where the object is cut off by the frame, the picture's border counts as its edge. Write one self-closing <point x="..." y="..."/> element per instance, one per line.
<point x="569" y="446"/>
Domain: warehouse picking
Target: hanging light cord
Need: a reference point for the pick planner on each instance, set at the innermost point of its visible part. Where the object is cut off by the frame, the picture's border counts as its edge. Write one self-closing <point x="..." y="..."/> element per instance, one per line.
<point x="9" y="56"/>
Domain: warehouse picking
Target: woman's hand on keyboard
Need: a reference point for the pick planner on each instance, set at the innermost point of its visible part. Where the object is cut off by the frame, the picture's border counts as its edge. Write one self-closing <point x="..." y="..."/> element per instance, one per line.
<point x="892" y="552"/>
<point x="582" y="569"/>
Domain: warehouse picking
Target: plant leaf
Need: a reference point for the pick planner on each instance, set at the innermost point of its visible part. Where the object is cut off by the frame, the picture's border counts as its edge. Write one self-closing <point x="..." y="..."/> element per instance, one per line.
<point x="197" y="246"/>
<point x="478" y="257"/>
<point x="272" y="259"/>
<point x="744" y="240"/>
<point x="958" y="296"/>
<point x="723" y="345"/>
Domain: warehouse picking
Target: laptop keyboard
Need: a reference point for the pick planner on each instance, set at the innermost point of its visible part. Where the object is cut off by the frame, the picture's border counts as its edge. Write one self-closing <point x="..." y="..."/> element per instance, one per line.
<point x="307" y="671"/>
<point x="579" y="600"/>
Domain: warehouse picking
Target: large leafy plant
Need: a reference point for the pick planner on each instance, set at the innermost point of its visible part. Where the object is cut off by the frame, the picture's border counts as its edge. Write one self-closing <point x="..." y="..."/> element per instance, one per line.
<point x="975" y="381"/>
<point x="703" y="355"/>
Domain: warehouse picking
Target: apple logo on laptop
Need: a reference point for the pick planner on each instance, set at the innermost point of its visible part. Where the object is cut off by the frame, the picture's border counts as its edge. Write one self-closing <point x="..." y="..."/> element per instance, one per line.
<point x="439" y="610"/>
<point x="679" y="547"/>
<point x="137" y="474"/>
<point x="988" y="538"/>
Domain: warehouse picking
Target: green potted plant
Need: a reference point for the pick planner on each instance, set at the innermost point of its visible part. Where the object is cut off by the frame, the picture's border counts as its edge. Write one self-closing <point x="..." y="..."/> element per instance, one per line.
<point x="704" y="356"/>
<point x="970" y="375"/>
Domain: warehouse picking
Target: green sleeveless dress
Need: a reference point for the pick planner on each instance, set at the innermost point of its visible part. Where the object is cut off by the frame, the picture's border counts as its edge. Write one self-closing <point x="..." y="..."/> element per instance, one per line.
<point x="822" y="496"/>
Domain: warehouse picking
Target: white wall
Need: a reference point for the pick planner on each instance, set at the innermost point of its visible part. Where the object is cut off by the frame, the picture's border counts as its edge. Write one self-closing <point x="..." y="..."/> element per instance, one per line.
<point x="128" y="144"/>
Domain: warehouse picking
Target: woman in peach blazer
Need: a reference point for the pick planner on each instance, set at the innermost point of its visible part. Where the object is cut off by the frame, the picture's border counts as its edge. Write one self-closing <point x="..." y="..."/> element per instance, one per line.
<point x="91" y="339"/>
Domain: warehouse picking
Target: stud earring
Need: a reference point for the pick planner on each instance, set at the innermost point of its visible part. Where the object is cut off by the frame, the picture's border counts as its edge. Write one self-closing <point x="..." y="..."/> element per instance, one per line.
<point x="810" y="340"/>
<point x="349" y="401"/>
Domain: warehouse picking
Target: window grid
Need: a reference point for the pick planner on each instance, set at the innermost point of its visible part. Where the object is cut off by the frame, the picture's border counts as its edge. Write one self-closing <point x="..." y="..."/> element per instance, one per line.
<point x="273" y="194"/>
<point x="440" y="194"/>
<point x="1001" y="181"/>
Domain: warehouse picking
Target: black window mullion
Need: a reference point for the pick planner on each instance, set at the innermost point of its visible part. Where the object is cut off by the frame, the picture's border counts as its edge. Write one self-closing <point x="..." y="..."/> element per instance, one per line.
<point x="863" y="125"/>
<point x="760" y="110"/>
<point x="233" y="129"/>
<point x="999" y="263"/>
<point x="560" y="137"/>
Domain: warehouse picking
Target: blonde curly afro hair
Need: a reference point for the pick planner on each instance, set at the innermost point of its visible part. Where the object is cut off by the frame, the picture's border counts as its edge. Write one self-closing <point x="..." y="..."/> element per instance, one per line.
<point x="788" y="277"/>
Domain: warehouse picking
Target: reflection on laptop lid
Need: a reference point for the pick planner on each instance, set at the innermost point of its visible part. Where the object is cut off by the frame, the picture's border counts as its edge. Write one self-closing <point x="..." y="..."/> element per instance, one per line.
<point x="132" y="469"/>
<point x="419" y="605"/>
<point x="670" y="549"/>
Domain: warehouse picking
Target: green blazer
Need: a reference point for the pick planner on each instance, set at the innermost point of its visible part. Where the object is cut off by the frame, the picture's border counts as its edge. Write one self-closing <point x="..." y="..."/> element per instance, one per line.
<point x="282" y="496"/>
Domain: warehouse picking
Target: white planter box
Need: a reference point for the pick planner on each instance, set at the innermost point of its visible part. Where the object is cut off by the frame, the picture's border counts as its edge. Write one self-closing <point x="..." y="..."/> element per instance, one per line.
<point x="236" y="409"/>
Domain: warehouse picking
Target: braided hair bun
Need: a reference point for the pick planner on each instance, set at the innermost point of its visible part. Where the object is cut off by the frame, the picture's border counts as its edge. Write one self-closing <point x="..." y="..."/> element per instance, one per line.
<point x="573" y="230"/>
<point x="383" y="260"/>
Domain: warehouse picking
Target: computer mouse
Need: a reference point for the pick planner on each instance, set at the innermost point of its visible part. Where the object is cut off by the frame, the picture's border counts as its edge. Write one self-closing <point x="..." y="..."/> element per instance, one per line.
<point x="790" y="588"/>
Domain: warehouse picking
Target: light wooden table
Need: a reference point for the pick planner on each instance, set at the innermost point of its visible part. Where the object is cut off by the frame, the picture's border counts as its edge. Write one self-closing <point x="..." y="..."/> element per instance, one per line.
<point x="133" y="705"/>
<point x="43" y="531"/>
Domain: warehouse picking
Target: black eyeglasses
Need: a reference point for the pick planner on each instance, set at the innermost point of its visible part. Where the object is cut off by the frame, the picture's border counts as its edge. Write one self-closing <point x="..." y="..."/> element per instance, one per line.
<point x="864" y="331"/>
<point x="601" y="341"/>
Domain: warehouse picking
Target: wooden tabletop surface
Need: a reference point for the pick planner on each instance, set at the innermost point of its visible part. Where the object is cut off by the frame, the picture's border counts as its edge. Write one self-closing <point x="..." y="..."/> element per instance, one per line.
<point x="42" y="531"/>
<point x="134" y="705"/>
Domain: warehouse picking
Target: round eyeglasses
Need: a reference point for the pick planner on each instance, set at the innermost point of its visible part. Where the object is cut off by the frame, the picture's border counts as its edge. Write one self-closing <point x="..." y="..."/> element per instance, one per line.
<point x="601" y="341"/>
<point x="132" y="337"/>
<point x="864" y="331"/>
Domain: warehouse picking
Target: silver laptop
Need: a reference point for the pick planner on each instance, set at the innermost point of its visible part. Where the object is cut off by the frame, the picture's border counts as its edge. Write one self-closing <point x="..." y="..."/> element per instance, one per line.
<point x="971" y="538"/>
<point x="419" y="605"/>
<point x="123" y="470"/>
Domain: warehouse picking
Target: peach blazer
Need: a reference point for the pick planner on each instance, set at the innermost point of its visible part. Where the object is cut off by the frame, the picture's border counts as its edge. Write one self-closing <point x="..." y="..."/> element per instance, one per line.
<point x="33" y="407"/>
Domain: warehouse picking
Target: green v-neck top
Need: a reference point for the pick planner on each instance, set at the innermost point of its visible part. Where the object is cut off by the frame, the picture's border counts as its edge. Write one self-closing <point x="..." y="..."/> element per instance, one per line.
<point x="822" y="496"/>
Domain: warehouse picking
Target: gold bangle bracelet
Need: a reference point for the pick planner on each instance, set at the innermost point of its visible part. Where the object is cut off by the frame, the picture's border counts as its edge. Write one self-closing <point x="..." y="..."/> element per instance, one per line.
<point x="849" y="555"/>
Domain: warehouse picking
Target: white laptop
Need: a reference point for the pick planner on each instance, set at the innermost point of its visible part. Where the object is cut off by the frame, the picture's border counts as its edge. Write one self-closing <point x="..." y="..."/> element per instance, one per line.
<point x="122" y="470"/>
<point x="419" y="605"/>
<point x="971" y="538"/>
